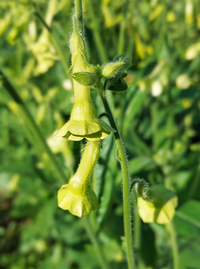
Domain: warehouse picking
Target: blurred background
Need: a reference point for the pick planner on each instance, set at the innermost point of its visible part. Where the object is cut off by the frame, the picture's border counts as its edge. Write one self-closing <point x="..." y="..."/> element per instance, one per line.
<point x="158" y="116"/>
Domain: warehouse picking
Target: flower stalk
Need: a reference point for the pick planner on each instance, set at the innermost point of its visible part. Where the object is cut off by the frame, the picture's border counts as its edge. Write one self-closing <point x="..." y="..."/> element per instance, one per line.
<point x="126" y="184"/>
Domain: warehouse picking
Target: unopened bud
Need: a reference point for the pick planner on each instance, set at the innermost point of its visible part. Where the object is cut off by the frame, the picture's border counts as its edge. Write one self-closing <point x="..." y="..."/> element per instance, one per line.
<point x="111" y="69"/>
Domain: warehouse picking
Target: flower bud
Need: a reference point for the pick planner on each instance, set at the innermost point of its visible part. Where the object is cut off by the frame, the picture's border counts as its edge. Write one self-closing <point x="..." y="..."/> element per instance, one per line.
<point x="111" y="69"/>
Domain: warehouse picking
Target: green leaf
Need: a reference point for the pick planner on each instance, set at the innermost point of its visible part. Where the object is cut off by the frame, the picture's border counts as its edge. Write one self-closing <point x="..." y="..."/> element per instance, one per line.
<point x="134" y="106"/>
<point x="189" y="255"/>
<point x="187" y="219"/>
<point x="105" y="174"/>
<point x="141" y="163"/>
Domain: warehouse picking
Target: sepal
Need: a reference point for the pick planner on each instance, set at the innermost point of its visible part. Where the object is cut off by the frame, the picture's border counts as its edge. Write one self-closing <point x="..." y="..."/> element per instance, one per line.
<point x="85" y="78"/>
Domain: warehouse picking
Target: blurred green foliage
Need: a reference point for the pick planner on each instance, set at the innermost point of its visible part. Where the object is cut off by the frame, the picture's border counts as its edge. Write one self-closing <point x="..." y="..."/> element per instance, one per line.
<point x="158" y="118"/>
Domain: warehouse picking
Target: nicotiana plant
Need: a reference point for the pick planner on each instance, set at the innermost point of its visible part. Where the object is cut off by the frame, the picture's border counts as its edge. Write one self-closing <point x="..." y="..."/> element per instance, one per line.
<point x="155" y="203"/>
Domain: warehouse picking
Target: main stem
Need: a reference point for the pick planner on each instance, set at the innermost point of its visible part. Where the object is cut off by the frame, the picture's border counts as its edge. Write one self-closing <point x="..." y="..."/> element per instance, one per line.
<point x="126" y="186"/>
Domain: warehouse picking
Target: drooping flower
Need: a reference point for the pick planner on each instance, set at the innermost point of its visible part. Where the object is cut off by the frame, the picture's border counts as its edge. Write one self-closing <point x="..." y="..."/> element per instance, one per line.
<point x="77" y="196"/>
<point x="84" y="122"/>
<point x="79" y="200"/>
<point x="158" y="205"/>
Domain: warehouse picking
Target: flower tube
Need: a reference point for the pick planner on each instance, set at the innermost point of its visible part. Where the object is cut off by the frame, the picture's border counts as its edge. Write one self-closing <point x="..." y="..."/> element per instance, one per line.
<point x="77" y="196"/>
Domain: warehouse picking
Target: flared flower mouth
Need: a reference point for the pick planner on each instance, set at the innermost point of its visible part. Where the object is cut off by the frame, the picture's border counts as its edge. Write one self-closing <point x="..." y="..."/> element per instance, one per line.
<point x="93" y="130"/>
<point x="150" y="213"/>
<point x="161" y="209"/>
<point x="79" y="201"/>
<point x="77" y="196"/>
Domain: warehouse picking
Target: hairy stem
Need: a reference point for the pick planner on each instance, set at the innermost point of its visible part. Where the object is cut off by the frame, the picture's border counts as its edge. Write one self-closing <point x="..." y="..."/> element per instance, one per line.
<point x="126" y="185"/>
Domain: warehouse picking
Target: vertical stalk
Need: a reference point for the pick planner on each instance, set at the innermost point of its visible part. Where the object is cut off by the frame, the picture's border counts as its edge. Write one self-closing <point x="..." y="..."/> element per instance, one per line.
<point x="137" y="225"/>
<point x="126" y="185"/>
<point x="122" y="28"/>
<point x="121" y="36"/>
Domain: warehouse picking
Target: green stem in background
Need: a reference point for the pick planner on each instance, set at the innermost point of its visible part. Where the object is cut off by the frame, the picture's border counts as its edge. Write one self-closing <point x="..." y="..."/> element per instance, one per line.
<point x="121" y="37"/>
<point x="54" y="38"/>
<point x="130" y="46"/>
<point x="96" y="33"/>
<point x="137" y="225"/>
<point x="95" y="242"/>
<point x="126" y="185"/>
<point x="32" y="126"/>
<point x="137" y="232"/>
<point x="188" y="219"/>
<point x="174" y="245"/>
<point x="122" y="29"/>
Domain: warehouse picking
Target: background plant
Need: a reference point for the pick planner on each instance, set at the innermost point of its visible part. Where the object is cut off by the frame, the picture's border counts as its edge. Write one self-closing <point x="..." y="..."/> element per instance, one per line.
<point x="158" y="118"/>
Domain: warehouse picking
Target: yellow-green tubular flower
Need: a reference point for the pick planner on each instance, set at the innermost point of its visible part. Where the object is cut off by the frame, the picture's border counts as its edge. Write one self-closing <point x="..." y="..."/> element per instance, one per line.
<point x="84" y="122"/>
<point x="158" y="205"/>
<point x="77" y="196"/>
